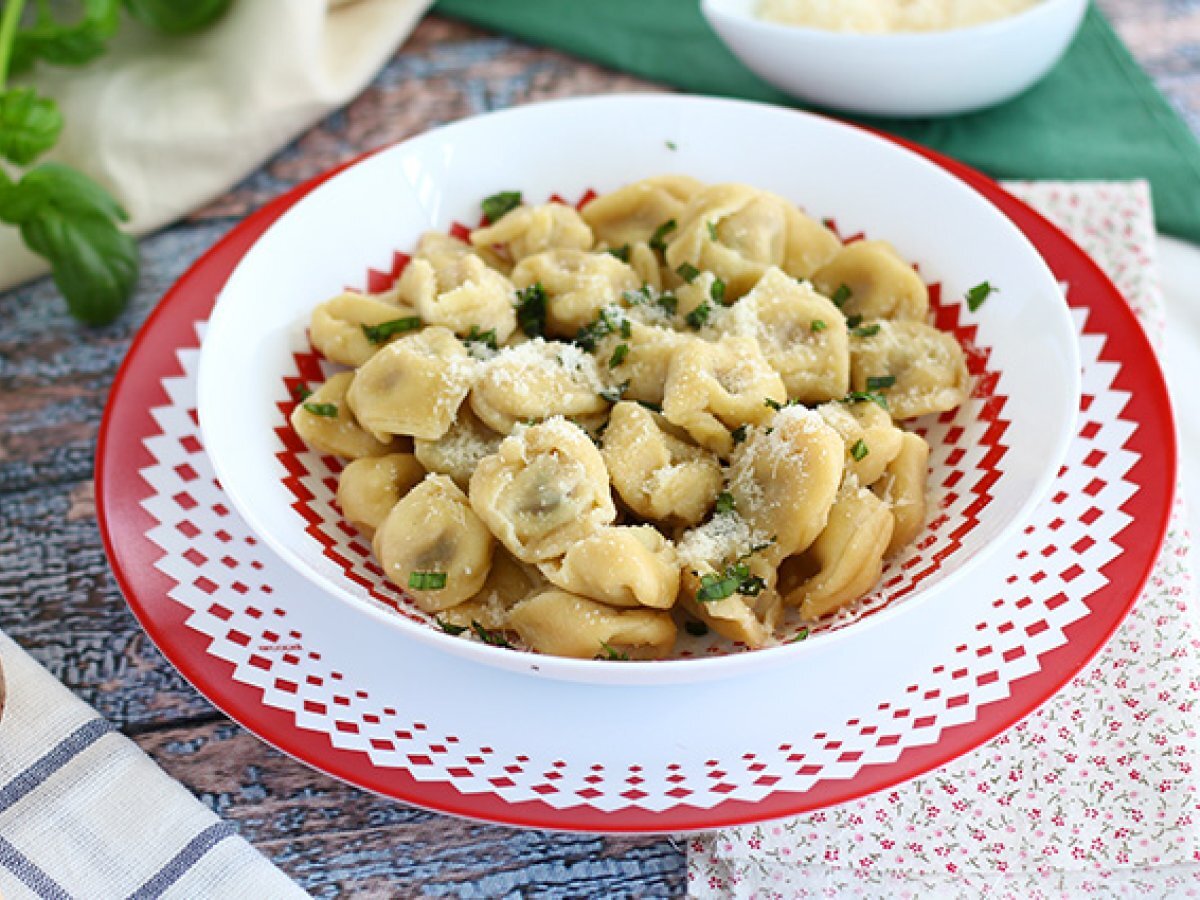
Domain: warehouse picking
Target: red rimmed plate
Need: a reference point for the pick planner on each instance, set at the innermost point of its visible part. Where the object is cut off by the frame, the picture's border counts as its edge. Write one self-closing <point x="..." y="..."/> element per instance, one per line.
<point x="309" y="676"/>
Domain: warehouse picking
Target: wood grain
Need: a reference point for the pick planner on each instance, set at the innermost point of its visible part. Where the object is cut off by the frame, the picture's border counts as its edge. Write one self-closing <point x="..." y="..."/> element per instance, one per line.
<point x="59" y="599"/>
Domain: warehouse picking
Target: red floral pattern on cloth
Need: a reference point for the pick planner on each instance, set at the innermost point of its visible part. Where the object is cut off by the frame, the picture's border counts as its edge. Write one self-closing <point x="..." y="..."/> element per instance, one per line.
<point x="1095" y="794"/>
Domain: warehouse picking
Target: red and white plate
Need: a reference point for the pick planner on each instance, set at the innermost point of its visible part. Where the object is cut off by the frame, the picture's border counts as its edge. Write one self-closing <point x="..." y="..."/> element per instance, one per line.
<point x="319" y="679"/>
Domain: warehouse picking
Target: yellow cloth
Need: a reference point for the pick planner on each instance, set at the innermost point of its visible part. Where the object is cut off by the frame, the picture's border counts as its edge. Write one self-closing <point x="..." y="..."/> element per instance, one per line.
<point x="166" y="124"/>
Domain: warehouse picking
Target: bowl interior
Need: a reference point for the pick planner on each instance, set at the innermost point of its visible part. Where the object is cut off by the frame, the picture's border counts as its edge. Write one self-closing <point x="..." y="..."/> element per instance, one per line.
<point x="992" y="459"/>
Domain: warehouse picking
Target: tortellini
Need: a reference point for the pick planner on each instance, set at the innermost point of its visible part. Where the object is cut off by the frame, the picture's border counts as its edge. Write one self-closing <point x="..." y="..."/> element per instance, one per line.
<point x="326" y="422"/>
<point x="715" y="387"/>
<point x="369" y="487"/>
<point x="738" y="232"/>
<point x="564" y="624"/>
<point x="656" y="473"/>
<point x="413" y="386"/>
<point x="534" y="229"/>
<point x="337" y="326"/>
<point x="543" y="490"/>
<point x="434" y="546"/>
<point x="874" y="283"/>
<point x="578" y="284"/>
<point x="536" y="380"/>
<point x="926" y="367"/>
<point x="580" y="430"/>
<point x="844" y="561"/>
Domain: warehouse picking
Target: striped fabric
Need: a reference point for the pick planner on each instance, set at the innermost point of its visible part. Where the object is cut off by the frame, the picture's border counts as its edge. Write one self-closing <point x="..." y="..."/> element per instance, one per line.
<point x="85" y="814"/>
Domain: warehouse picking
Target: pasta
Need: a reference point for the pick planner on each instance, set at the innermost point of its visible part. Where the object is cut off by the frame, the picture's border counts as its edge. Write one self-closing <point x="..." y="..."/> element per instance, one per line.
<point x="679" y="407"/>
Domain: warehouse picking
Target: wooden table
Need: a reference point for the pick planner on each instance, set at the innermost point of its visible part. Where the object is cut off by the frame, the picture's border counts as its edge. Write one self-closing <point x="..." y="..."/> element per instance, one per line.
<point x="58" y="597"/>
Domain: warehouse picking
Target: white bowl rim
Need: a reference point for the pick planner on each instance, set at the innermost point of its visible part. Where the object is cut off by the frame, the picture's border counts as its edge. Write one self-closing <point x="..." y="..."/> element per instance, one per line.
<point x="893" y="40"/>
<point x="670" y="670"/>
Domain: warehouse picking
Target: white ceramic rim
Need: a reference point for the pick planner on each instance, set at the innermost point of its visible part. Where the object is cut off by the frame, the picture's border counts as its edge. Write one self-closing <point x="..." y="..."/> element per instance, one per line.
<point x="915" y="39"/>
<point x="223" y="447"/>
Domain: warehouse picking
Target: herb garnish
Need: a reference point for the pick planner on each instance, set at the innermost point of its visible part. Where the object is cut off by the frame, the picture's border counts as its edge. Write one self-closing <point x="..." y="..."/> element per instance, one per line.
<point x="697" y="629"/>
<point x="489" y="637"/>
<point x="669" y="303"/>
<point x="879" y="382"/>
<point x="657" y="240"/>
<point x="724" y="503"/>
<point x="854" y="321"/>
<point x="818" y="325"/>
<point x="449" y="627"/>
<point x="301" y="393"/>
<point x="738" y="434"/>
<point x="777" y="406"/>
<point x="859" y="450"/>
<point x="378" y="334"/>
<point x="979" y="293"/>
<point x="614" y="394"/>
<point x="687" y="272"/>
<point x="487" y="338"/>
<point x="712" y="231"/>
<point x="841" y="295"/>
<point x="621" y="253"/>
<point x="427" y="581"/>
<point x="801" y="635"/>
<point x="610" y="653"/>
<point x="736" y="579"/>
<point x="717" y="291"/>
<point x="698" y="316"/>
<point x="531" y="309"/>
<point x="618" y="355"/>
<point x="866" y="396"/>
<point x="671" y="145"/>
<point x="607" y="322"/>
<point x="866" y="330"/>
<point x="324" y="410"/>
<point x="497" y="206"/>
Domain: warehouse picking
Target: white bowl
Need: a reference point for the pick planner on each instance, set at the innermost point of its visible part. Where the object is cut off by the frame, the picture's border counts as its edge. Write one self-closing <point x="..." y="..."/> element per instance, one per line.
<point x="992" y="460"/>
<point x="927" y="74"/>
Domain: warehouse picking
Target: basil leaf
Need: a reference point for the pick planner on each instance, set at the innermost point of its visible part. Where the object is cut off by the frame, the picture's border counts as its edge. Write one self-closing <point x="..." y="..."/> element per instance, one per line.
<point x="497" y="206"/>
<point x="29" y="125"/>
<point x="60" y="44"/>
<point x="177" y="16"/>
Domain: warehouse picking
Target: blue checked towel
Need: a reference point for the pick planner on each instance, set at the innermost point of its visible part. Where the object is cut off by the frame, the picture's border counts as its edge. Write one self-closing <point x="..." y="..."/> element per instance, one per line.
<point x="85" y="813"/>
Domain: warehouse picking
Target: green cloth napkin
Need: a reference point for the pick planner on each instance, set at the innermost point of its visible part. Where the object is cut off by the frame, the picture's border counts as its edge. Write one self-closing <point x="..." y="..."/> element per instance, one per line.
<point x="1096" y="116"/>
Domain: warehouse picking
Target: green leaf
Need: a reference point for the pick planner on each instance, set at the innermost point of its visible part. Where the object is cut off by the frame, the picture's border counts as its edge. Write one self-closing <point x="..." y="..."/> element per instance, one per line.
<point x="60" y="44"/>
<point x="29" y="125"/>
<point x="70" y="221"/>
<point x="497" y="206"/>
<point x="177" y="16"/>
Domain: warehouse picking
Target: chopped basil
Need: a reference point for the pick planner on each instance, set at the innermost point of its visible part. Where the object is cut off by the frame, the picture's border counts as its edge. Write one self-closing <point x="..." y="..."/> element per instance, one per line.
<point x="738" y="434"/>
<point x="717" y="291"/>
<point x="777" y="406"/>
<point x="531" y="309"/>
<point x="669" y="303"/>
<point x="829" y="223"/>
<point x="694" y="628"/>
<point x="724" y="503"/>
<point x="610" y="653"/>
<point x="752" y="586"/>
<point x="618" y="355"/>
<point x="626" y="328"/>
<point x="605" y="324"/>
<point x="841" y="295"/>
<point x="621" y="253"/>
<point x="487" y="338"/>
<point x="653" y="407"/>
<point x="489" y="637"/>
<point x="698" y="316"/>
<point x="378" y="334"/>
<point x="449" y="627"/>
<point x="866" y="330"/>
<point x="712" y="231"/>
<point x="671" y="145"/>
<point x="818" y="325"/>
<point x="879" y="382"/>
<point x="614" y="394"/>
<point x="859" y="450"/>
<point x="637" y="298"/>
<point x="853" y="321"/>
<point x="325" y="410"/>
<point x="497" y="206"/>
<point x="687" y="272"/>
<point x="427" y="581"/>
<point x="979" y="293"/>
<point x="736" y="579"/>
<point x="301" y="393"/>
<point x="658" y="239"/>
<point x="866" y="396"/>
<point x="801" y="635"/>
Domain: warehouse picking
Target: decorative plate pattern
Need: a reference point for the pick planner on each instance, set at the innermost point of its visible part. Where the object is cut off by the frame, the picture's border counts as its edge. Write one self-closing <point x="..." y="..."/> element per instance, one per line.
<point x="313" y="677"/>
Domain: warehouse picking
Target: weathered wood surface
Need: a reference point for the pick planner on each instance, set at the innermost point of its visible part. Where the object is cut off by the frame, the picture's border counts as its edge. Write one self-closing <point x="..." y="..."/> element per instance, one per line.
<point x="58" y="598"/>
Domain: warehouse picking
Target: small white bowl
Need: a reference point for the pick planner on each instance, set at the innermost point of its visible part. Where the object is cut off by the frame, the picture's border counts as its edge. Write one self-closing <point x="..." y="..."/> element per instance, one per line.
<point x="927" y="74"/>
<point x="992" y="459"/>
